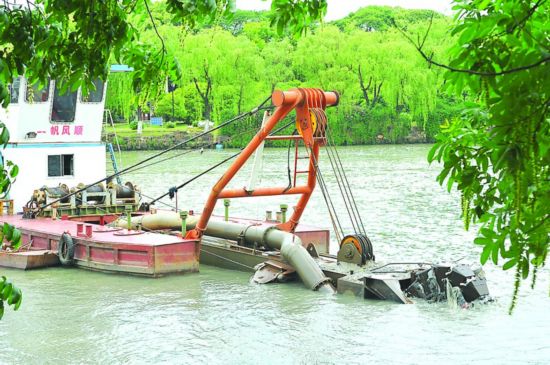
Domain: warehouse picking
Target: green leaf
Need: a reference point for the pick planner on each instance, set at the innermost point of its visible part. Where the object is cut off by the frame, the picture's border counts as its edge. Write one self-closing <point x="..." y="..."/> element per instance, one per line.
<point x="494" y="253"/>
<point x="15" y="296"/>
<point x="485" y="254"/>
<point x="7" y="230"/>
<point x="511" y="263"/>
<point x="7" y="291"/>
<point x="19" y="301"/>
<point x="432" y="151"/>
<point x="16" y="239"/>
<point x="14" y="171"/>
<point x="4" y="137"/>
<point x="524" y="268"/>
<point x="483" y="241"/>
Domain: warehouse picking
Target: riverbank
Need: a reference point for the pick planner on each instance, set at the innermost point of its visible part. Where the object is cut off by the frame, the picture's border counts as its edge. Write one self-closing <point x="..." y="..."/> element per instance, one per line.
<point x="152" y="137"/>
<point x="163" y="137"/>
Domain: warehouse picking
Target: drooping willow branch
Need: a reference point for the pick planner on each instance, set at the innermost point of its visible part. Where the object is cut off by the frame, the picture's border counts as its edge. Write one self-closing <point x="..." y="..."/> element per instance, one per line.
<point x="419" y="45"/>
<point x="163" y="49"/>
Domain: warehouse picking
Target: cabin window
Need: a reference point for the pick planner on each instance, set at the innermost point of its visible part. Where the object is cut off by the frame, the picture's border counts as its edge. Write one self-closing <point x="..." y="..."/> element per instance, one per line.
<point x="14" y="90"/>
<point x="60" y="165"/>
<point x="94" y="96"/>
<point x="64" y="106"/>
<point x="37" y="94"/>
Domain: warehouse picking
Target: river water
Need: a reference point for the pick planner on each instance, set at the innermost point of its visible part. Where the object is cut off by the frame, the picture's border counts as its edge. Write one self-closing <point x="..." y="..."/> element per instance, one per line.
<point x="220" y="317"/>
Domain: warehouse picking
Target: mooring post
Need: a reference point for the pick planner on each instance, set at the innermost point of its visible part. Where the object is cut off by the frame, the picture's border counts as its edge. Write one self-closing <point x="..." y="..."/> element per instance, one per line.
<point x="128" y="209"/>
<point x="284" y="208"/>
<point x="226" y="203"/>
<point x="183" y="216"/>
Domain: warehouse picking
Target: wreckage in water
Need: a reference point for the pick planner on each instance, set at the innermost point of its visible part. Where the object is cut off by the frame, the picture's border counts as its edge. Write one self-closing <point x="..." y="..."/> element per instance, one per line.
<point x="79" y="226"/>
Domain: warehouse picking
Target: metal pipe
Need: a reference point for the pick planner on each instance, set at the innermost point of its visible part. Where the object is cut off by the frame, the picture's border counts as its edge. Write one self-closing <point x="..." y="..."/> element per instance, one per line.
<point x="226" y="203"/>
<point x="287" y="243"/>
<point x="129" y="216"/>
<point x="284" y="208"/>
<point x="183" y="216"/>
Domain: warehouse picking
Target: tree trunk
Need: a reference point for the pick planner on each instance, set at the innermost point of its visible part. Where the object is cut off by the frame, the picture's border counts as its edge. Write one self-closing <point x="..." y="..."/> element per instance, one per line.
<point x="207" y="110"/>
<point x="376" y="96"/>
<point x="205" y="95"/>
<point x="364" y="89"/>
<point x="239" y="103"/>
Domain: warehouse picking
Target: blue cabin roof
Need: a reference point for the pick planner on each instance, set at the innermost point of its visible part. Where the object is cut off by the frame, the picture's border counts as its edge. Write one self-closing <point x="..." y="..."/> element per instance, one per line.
<point x="121" y="68"/>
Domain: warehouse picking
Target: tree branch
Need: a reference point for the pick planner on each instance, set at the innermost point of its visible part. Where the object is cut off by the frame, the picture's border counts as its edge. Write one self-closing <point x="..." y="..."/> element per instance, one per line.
<point x="198" y="88"/>
<point x="419" y="47"/>
<point x="362" y="85"/>
<point x="524" y="19"/>
<point x="163" y="49"/>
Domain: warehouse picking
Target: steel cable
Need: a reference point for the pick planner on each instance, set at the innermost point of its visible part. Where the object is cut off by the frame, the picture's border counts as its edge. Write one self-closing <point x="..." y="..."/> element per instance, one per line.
<point x="232" y="120"/>
<point x="347" y="186"/>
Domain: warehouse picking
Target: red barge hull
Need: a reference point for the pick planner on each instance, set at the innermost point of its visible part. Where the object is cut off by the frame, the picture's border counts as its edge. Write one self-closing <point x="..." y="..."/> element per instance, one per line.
<point x="101" y="248"/>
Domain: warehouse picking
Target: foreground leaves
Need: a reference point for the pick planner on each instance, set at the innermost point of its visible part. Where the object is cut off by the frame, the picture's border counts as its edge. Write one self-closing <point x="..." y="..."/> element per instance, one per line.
<point x="497" y="153"/>
<point x="10" y="294"/>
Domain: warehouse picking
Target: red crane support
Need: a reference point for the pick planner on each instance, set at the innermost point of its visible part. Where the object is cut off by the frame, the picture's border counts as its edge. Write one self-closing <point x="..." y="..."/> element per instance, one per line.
<point x="310" y="123"/>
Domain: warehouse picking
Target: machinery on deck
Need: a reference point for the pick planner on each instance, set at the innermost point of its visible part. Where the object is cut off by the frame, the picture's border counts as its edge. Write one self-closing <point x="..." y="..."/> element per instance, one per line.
<point x="85" y="200"/>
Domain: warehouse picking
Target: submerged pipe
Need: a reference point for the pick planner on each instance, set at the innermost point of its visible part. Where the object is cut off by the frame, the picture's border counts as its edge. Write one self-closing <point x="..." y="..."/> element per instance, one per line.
<point x="287" y="243"/>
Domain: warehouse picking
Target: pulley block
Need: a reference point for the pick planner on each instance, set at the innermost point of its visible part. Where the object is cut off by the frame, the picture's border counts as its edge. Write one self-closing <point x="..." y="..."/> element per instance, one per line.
<point x="356" y="248"/>
<point x="320" y="122"/>
<point x="302" y="125"/>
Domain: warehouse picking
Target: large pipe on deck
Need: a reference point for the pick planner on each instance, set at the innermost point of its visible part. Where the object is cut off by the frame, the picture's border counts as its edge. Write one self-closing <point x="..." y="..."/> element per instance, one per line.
<point x="287" y="243"/>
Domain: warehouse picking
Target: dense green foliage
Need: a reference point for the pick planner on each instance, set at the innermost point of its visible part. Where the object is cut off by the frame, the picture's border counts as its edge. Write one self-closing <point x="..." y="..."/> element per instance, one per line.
<point x="498" y="153"/>
<point x="10" y="294"/>
<point x="10" y="237"/>
<point x="387" y="95"/>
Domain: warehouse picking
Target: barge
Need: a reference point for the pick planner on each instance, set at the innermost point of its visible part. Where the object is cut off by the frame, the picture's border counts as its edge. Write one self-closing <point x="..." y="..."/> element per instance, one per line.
<point x="101" y="248"/>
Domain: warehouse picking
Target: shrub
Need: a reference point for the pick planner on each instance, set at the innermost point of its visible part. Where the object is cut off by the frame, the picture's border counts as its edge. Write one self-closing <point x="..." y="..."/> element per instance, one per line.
<point x="170" y="125"/>
<point x="134" y="125"/>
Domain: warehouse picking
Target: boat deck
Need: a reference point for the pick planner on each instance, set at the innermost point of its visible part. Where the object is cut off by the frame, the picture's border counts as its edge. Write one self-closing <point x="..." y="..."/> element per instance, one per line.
<point x="103" y="248"/>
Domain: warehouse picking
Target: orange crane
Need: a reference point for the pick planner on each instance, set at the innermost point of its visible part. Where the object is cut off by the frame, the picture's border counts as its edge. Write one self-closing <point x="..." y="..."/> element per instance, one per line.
<point x="310" y="105"/>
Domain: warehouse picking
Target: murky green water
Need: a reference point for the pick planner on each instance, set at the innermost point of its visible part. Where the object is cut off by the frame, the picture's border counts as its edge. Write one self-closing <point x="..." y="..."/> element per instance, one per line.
<point x="218" y="316"/>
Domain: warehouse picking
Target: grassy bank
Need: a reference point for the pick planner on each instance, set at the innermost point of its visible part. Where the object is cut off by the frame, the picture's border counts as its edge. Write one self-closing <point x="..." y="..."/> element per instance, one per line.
<point x="162" y="137"/>
<point x="123" y="130"/>
<point x="152" y="137"/>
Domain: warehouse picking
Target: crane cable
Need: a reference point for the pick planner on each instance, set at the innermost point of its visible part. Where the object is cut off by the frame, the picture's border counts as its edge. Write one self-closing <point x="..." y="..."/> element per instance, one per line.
<point x="345" y="190"/>
<point x="154" y="200"/>
<point x="232" y="120"/>
<point x="335" y="220"/>
<point x="339" y="172"/>
<point x="193" y="149"/>
<point x="343" y="183"/>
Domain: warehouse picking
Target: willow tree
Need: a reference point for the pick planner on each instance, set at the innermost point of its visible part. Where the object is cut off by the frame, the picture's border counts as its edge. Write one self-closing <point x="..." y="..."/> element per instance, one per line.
<point x="220" y="70"/>
<point x="121" y="96"/>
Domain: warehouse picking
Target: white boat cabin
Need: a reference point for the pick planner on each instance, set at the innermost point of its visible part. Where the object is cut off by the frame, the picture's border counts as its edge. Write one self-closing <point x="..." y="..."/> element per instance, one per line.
<point x="54" y="138"/>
